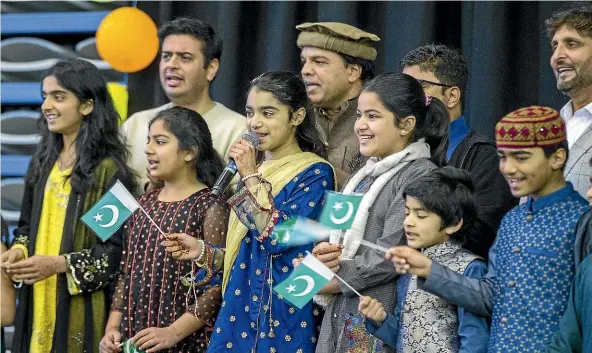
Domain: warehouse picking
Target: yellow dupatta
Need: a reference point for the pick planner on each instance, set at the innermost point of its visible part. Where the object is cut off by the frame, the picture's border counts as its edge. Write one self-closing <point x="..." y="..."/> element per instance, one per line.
<point x="279" y="173"/>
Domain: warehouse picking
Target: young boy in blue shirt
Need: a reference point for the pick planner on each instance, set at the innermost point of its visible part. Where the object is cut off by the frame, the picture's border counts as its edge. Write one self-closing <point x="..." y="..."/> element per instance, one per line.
<point x="440" y="211"/>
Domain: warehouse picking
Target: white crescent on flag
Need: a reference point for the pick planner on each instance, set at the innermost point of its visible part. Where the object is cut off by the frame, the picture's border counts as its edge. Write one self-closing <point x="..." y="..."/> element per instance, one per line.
<point x="309" y="285"/>
<point x="113" y="219"/>
<point x="348" y="214"/>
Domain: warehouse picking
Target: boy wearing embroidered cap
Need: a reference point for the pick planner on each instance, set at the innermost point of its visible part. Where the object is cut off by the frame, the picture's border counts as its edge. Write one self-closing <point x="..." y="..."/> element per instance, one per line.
<point x="336" y="61"/>
<point x="531" y="263"/>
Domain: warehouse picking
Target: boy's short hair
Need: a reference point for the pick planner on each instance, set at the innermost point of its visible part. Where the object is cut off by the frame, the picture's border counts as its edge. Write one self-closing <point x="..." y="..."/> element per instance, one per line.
<point x="549" y="150"/>
<point x="450" y="193"/>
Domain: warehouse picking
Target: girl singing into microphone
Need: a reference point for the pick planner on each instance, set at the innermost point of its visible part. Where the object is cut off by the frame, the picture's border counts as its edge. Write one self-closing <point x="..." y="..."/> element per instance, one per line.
<point x="162" y="304"/>
<point x="290" y="181"/>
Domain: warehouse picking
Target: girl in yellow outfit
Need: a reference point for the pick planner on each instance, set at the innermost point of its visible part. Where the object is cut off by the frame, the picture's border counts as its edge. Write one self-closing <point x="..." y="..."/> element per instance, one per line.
<point x="67" y="271"/>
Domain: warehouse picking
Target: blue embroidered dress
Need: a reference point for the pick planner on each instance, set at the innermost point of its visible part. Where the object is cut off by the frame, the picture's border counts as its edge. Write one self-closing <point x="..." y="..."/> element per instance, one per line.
<point x="530" y="271"/>
<point x="253" y="318"/>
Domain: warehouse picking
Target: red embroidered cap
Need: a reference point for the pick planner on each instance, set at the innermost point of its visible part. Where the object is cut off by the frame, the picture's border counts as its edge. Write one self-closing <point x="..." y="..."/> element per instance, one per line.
<point x="529" y="127"/>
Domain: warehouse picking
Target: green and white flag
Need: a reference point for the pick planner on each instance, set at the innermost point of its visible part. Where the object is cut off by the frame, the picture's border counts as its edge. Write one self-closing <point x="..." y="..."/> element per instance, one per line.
<point x="114" y="208"/>
<point x="305" y="281"/>
<point x="129" y="347"/>
<point x="298" y="231"/>
<point x="339" y="210"/>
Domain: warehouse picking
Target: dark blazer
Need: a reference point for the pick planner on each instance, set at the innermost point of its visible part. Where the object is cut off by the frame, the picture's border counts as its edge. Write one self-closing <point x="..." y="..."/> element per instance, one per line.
<point x="477" y="154"/>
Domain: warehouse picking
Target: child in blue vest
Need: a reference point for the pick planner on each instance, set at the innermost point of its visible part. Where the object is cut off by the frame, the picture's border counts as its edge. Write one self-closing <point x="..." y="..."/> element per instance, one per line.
<point x="531" y="264"/>
<point x="440" y="210"/>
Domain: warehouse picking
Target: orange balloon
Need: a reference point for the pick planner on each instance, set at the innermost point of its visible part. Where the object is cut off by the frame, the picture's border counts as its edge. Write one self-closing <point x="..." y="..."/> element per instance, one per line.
<point x="127" y="39"/>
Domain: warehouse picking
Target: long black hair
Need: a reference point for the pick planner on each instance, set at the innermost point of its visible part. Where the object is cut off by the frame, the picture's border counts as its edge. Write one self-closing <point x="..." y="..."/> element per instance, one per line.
<point x="289" y="89"/>
<point x="98" y="137"/>
<point x="192" y="132"/>
<point x="403" y="96"/>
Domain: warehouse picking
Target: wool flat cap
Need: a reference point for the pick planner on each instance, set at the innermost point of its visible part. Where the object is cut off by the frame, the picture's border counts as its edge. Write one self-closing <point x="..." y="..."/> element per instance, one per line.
<point x="533" y="126"/>
<point x="338" y="37"/>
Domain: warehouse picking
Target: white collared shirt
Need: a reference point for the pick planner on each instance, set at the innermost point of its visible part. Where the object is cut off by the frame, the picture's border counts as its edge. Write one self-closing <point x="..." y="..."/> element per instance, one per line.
<point x="577" y="123"/>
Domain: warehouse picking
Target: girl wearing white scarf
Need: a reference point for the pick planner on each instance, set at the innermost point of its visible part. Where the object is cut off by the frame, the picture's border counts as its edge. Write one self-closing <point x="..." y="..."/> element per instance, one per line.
<point x="405" y="134"/>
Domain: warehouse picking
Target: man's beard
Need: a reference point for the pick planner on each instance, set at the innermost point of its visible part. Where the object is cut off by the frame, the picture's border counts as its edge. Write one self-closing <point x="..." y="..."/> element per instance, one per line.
<point x="582" y="79"/>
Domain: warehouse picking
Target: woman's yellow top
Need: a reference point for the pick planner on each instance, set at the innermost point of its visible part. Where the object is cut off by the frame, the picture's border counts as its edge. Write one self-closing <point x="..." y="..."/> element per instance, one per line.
<point x="49" y="240"/>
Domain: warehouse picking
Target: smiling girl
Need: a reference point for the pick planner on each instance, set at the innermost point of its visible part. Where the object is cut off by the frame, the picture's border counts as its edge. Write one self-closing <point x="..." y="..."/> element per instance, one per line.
<point x="290" y="181"/>
<point x="160" y="303"/>
<point x="405" y="134"/>
<point x="65" y="267"/>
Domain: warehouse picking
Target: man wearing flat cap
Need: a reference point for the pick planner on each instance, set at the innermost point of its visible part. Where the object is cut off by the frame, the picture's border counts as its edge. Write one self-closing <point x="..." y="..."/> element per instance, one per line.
<point x="336" y="61"/>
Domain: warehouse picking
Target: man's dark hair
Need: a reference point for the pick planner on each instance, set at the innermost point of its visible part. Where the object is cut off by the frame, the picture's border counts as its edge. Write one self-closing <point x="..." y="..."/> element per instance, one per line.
<point x="577" y="16"/>
<point x="549" y="150"/>
<point x="212" y="43"/>
<point x="367" y="66"/>
<point x="450" y="193"/>
<point x="447" y="64"/>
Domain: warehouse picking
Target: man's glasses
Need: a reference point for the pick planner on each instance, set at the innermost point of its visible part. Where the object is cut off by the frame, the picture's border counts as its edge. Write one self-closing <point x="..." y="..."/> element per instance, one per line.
<point x="421" y="82"/>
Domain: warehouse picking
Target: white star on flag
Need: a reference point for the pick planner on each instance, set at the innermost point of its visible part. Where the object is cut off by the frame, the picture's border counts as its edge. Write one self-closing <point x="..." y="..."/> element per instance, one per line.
<point x="291" y="288"/>
<point x="98" y="217"/>
<point x="337" y="206"/>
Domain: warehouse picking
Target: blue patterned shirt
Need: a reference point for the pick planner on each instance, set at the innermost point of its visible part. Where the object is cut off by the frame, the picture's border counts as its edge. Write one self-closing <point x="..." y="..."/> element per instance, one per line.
<point x="530" y="271"/>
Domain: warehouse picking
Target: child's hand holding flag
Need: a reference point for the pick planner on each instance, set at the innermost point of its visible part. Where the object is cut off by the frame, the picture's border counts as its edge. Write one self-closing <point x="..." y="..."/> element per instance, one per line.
<point x="372" y="309"/>
<point x="408" y="260"/>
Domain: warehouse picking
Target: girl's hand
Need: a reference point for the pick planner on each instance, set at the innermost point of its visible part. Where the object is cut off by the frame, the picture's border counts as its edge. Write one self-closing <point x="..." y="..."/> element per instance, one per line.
<point x="245" y="157"/>
<point x="12" y="256"/>
<point x="111" y="341"/>
<point x="182" y="246"/>
<point x="37" y="268"/>
<point x="154" y="339"/>
<point x="329" y="255"/>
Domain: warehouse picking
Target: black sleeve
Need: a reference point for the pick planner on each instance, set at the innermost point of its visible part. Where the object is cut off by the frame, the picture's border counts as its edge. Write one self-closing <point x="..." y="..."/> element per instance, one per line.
<point x="493" y="196"/>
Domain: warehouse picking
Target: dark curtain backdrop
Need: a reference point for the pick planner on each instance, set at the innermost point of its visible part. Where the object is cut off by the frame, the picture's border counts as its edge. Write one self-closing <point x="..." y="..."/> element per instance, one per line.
<point x="505" y="43"/>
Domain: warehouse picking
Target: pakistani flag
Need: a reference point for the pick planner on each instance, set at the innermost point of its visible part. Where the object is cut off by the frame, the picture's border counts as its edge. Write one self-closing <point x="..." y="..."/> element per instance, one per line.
<point x="282" y="231"/>
<point x="339" y="210"/>
<point x="114" y="208"/>
<point x="129" y="347"/>
<point x="305" y="281"/>
<point x="299" y="231"/>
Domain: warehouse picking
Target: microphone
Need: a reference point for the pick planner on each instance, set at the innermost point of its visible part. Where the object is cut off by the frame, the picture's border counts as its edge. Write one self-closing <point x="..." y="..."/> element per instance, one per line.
<point x="230" y="169"/>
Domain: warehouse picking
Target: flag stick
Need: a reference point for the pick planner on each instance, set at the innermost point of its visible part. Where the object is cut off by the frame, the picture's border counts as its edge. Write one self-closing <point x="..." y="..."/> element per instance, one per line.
<point x="348" y="286"/>
<point x="368" y="244"/>
<point x="156" y="225"/>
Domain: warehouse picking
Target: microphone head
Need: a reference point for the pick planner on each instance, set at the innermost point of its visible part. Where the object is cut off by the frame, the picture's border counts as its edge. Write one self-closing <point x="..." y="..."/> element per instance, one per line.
<point x="252" y="137"/>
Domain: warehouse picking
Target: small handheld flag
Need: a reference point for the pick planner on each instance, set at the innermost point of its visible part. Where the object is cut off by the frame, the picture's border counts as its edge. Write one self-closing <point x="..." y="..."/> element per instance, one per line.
<point x="305" y="281"/>
<point x="112" y="210"/>
<point x="299" y="231"/>
<point x="129" y="347"/>
<point x="339" y="210"/>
